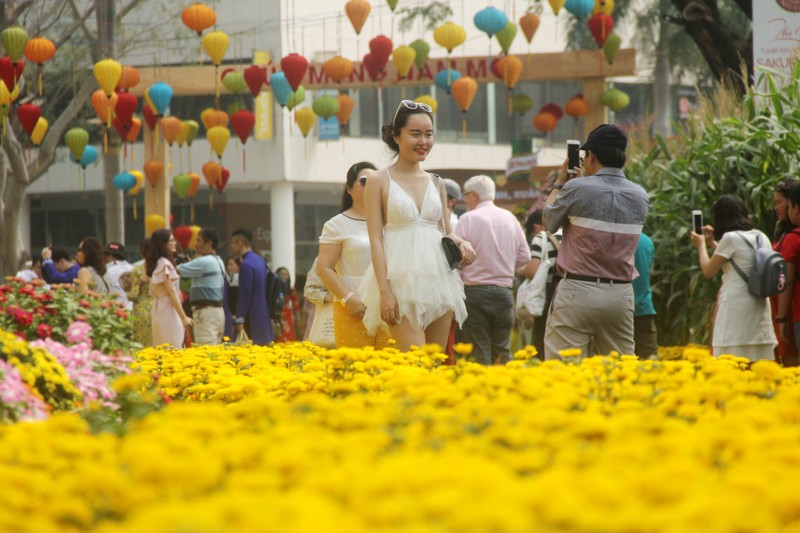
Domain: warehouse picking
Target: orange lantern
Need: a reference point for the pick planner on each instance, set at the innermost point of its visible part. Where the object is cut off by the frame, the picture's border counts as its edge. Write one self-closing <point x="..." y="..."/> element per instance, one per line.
<point x="213" y="173"/>
<point x="104" y="108"/>
<point x="529" y="23"/>
<point x="357" y="11"/>
<point x="38" y="50"/>
<point x="130" y="78"/>
<point x="199" y="17"/>
<point x="510" y="66"/>
<point x="213" y="117"/>
<point x="577" y="107"/>
<point x="171" y="127"/>
<point x="154" y="171"/>
<point x="545" y="122"/>
<point x="338" y="68"/>
<point x="346" y="104"/>
<point x="464" y="90"/>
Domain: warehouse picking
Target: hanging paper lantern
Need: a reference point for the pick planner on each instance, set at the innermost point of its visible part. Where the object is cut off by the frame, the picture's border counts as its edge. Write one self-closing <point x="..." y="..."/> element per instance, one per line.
<point x="297" y="98"/>
<point x="224" y="176"/>
<point x="107" y="72"/>
<point x="212" y="171"/>
<point x="39" y="50"/>
<point x="171" y="127"/>
<point x="139" y="181"/>
<point x="490" y="20"/>
<point x="28" y="115"/>
<point x="149" y="117"/>
<point x="215" y="44"/>
<point x="193" y="240"/>
<point x="160" y="95"/>
<point x="579" y="8"/>
<point x="305" y="119"/>
<point x="14" y="41"/>
<point x="521" y="103"/>
<point x="449" y="35"/>
<point x="234" y="81"/>
<point x="615" y="99"/>
<point x="374" y="68"/>
<point x="280" y="88"/>
<point x="103" y="106"/>
<point x="181" y="184"/>
<point x="553" y="109"/>
<point x="256" y="78"/>
<point x="133" y="130"/>
<point x="154" y="171"/>
<point x="422" y="49"/>
<point x="294" y="66"/>
<point x="577" y="107"/>
<point x="357" y="11"/>
<point x="88" y="157"/>
<point x="338" y="68"/>
<point x="556" y="5"/>
<point x="444" y="79"/>
<point x="403" y="57"/>
<point x="194" y="127"/>
<point x="381" y="47"/>
<point x="124" y="181"/>
<point x="183" y="234"/>
<point x="183" y="134"/>
<point x="346" y="105"/>
<point x="37" y="135"/>
<point x="194" y="185"/>
<point x="506" y="36"/>
<point x="529" y="22"/>
<point x="125" y="107"/>
<point x="235" y="106"/>
<point x="213" y="117"/>
<point x="76" y="139"/>
<point x="611" y="48"/>
<point x="603" y="6"/>
<point x="121" y="127"/>
<point x="464" y="90"/>
<point x="325" y="106"/>
<point x="5" y="105"/>
<point x="545" y="122"/>
<point x="199" y="17"/>
<point x="154" y="223"/>
<point x="392" y="5"/>
<point x="428" y="99"/>
<point x="130" y="78"/>
<point x="218" y="138"/>
<point x="510" y="68"/>
<point x="242" y="123"/>
<point x="601" y="25"/>
<point x="10" y="72"/>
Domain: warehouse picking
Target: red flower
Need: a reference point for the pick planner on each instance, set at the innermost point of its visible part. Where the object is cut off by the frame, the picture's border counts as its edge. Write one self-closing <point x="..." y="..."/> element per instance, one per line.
<point x="23" y="318"/>
<point x="44" y="331"/>
<point x="84" y="303"/>
<point x="121" y="313"/>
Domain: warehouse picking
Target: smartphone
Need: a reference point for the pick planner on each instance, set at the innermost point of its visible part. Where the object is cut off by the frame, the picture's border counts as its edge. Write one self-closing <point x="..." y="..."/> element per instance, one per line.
<point x="573" y="156"/>
<point x="697" y="221"/>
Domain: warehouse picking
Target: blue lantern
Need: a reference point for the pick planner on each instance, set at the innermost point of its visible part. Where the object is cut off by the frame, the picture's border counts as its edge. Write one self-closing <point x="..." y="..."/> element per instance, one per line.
<point x="161" y="95"/>
<point x="89" y="156"/>
<point x="579" y="8"/>
<point x="280" y="87"/>
<point x="124" y="181"/>
<point x="444" y="79"/>
<point x="491" y="20"/>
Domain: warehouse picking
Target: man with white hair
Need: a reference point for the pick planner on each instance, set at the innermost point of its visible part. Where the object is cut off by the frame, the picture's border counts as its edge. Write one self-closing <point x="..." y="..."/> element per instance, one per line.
<point x="500" y="249"/>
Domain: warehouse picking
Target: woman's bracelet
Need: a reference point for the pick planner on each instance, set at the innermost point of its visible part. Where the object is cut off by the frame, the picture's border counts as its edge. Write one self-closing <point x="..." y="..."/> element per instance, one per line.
<point x="349" y="295"/>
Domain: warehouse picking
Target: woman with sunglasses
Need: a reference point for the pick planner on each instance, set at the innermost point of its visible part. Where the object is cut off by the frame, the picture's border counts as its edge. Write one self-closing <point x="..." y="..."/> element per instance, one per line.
<point x="344" y="257"/>
<point x="169" y="319"/>
<point x="410" y="289"/>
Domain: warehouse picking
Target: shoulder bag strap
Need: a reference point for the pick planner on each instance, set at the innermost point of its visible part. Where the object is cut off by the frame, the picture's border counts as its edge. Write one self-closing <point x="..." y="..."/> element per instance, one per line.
<point x="436" y="181"/>
<point x="738" y="270"/>
<point x="554" y="241"/>
<point x="545" y="256"/>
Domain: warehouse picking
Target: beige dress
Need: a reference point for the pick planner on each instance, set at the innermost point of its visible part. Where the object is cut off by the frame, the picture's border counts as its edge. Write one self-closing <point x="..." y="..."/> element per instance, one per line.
<point x="167" y="325"/>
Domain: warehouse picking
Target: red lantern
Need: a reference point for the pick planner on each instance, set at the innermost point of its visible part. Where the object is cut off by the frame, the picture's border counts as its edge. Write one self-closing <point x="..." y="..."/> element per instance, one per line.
<point x="373" y="68"/>
<point x="149" y="117"/>
<point x="10" y="72"/>
<point x="381" y="48"/>
<point x="255" y="77"/>
<point x="497" y="67"/>
<point x="553" y="109"/>
<point x="243" y="123"/>
<point x="28" y="115"/>
<point x="122" y="127"/>
<point x="224" y="176"/>
<point x="294" y="67"/>
<point x="601" y="25"/>
<point x="126" y="106"/>
<point x="183" y="234"/>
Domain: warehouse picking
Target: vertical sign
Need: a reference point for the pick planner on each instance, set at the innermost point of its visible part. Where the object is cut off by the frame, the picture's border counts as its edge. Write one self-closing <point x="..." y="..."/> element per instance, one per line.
<point x="263" y="102"/>
<point x="776" y="34"/>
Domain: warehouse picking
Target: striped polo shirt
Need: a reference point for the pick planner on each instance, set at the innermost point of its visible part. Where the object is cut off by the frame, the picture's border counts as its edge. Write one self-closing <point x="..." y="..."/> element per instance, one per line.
<point x="602" y="216"/>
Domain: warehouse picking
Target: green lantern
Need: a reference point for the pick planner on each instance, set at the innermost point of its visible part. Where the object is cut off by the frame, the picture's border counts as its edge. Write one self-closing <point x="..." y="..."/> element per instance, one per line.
<point x="392" y="5"/>
<point x="77" y="139"/>
<point x="14" y="41"/>
<point x="296" y="98"/>
<point x="181" y="184"/>
<point x="422" y="49"/>
<point x="521" y="103"/>
<point x="235" y="106"/>
<point x="615" y="99"/>
<point x="326" y="106"/>
<point x="194" y="127"/>
<point x="234" y="81"/>
<point x="611" y="47"/>
<point x="506" y="36"/>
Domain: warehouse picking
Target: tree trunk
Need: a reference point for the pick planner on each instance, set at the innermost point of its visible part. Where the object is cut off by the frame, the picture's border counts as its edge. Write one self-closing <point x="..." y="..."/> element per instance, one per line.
<point x="115" y="215"/>
<point x="16" y="184"/>
<point x="662" y="101"/>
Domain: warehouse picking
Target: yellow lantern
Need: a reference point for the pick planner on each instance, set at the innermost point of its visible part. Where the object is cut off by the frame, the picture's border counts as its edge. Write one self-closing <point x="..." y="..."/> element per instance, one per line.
<point x="218" y="137"/>
<point x="153" y="223"/>
<point x="428" y="99"/>
<point x="108" y="72"/>
<point x="183" y="134"/>
<point x="449" y="35"/>
<point x="305" y="118"/>
<point x="557" y="5"/>
<point x="135" y="190"/>
<point x="37" y="135"/>
<point x="603" y="6"/>
<point x="193" y="239"/>
<point x="403" y="57"/>
<point x="216" y="44"/>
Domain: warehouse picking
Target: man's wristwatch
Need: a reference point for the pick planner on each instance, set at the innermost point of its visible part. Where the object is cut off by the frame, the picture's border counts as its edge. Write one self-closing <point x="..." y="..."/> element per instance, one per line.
<point x="558" y="186"/>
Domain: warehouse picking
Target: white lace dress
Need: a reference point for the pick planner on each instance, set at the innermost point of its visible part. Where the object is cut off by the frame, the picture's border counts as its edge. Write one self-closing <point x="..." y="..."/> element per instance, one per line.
<point x="417" y="271"/>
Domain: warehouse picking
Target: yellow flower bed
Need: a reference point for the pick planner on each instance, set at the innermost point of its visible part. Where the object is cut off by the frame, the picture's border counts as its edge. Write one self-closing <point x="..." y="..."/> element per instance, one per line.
<point x="296" y="438"/>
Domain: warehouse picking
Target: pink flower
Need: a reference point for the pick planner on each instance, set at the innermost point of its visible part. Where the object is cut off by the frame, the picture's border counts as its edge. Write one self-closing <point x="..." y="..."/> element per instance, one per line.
<point x="78" y="332"/>
<point x="17" y="401"/>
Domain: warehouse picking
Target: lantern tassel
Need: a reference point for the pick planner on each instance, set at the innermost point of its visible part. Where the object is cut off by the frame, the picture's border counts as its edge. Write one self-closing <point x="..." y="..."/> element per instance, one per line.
<point x="211" y="200"/>
<point x="244" y="160"/>
<point x="105" y="140"/>
<point x="40" y="82"/>
<point x="135" y="214"/>
<point x="191" y="212"/>
<point x="464" y="126"/>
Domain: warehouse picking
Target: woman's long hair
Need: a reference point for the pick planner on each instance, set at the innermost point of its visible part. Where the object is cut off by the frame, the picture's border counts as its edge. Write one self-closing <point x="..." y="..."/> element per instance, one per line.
<point x="157" y="250"/>
<point x="352" y="176"/>
<point x="93" y="254"/>
<point x="730" y="214"/>
<point x="784" y="226"/>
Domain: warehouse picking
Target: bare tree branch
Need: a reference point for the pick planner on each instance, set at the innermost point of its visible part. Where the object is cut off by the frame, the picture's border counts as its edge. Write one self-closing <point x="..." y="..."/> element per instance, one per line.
<point x="20" y="10"/>
<point x="81" y="20"/>
<point x="125" y="10"/>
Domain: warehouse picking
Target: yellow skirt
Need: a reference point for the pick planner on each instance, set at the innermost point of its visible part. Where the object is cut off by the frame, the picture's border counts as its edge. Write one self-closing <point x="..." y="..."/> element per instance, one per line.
<point x="350" y="332"/>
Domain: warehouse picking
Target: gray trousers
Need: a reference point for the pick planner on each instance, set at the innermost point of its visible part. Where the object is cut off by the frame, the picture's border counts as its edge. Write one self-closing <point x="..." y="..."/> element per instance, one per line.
<point x="586" y="311"/>
<point x="490" y="317"/>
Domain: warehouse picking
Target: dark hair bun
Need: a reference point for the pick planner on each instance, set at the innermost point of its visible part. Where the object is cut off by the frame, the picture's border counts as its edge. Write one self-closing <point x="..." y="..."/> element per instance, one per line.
<point x="387" y="135"/>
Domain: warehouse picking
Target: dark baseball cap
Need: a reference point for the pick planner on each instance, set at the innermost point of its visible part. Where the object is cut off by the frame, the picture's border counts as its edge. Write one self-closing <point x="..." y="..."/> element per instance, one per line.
<point x="453" y="189"/>
<point x="116" y="249"/>
<point x="606" y="135"/>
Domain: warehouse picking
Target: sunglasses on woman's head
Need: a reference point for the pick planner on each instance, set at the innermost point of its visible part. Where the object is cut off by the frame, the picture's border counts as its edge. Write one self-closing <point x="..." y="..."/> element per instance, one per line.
<point x="411" y="104"/>
<point x="362" y="180"/>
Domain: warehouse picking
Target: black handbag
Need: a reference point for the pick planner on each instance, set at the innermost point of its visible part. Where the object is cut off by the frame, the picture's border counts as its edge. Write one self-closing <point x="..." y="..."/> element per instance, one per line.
<point x="451" y="250"/>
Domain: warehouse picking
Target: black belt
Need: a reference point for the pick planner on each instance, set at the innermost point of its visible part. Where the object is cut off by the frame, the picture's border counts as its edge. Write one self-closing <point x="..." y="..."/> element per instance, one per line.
<point x="593" y="279"/>
<point x="202" y="304"/>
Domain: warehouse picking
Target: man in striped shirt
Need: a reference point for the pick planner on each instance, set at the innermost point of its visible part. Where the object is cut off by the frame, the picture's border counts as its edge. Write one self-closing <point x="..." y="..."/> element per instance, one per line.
<point x="602" y="215"/>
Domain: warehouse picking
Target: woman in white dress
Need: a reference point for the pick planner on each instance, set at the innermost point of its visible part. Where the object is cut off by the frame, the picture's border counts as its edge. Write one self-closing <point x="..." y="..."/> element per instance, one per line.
<point x="410" y="289"/>
<point x="344" y="257"/>
<point x="169" y="320"/>
<point x="743" y="322"/>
